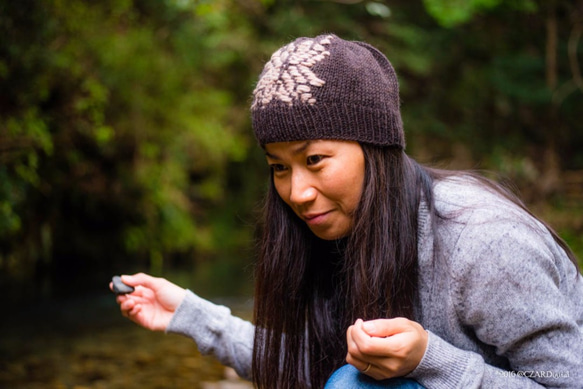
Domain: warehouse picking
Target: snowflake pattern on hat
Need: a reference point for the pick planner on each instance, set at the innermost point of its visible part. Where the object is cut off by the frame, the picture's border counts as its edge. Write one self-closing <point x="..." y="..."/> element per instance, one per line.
<point x="288" y="76"/>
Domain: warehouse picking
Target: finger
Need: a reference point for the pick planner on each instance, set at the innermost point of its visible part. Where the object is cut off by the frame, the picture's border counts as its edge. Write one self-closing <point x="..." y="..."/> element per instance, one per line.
<point x="135" y="310"/>
<point x="138" y="291"/>
<point x="403" y="345"/>
<point x="366" y="347"/>
<point x="137" y="300"/>
<point x="387" y="327"/>
<point x="375" y="372"/>
<point x="354" y="355"/>
<point x="358" y="333"/>
<point x="356" y="362"/>
<point x="353" y="329"/>
<point x="127" y="305"/>
<point x="398" y="336"/>
<point x="141" y="279"/>
<point x="350" y="343"/>
<point x="144" y="293"/>
<point x="349" y="334"/>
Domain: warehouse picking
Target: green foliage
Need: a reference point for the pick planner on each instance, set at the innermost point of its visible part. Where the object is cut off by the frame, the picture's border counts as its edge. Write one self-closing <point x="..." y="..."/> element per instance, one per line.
<point x="451" y="13"/>
<point x="125" y="140"/>
<point x="113" y="105"/>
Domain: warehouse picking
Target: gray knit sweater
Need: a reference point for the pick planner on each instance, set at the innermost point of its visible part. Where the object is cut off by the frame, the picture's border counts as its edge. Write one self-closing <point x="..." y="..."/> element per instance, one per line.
<point x="501" y="301"/>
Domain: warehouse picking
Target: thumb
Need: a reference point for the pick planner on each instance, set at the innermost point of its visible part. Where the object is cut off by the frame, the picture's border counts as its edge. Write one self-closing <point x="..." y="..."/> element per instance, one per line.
<point x="386" y="327"/>
<point x="143" y="280"/>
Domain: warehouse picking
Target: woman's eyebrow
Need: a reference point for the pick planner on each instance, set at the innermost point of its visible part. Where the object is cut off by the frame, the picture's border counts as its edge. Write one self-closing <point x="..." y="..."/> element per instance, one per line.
<point x="299" y="149"/>
<point x="272" y="156"/>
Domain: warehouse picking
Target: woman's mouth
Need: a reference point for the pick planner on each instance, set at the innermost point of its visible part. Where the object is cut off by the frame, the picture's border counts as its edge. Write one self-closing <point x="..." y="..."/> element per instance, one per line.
<point x="314" y="219"/>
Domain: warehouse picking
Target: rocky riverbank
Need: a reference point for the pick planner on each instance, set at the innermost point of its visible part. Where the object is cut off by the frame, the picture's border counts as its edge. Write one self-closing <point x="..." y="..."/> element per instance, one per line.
<point x="87" y="344"/>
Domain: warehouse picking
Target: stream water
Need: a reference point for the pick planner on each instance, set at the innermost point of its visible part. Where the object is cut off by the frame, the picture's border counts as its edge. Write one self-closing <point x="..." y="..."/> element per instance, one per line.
<point x="86" y="343"/>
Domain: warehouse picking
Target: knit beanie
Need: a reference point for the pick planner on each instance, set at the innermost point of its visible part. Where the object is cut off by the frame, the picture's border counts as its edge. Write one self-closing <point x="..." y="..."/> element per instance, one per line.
<point x="328" y="88"/>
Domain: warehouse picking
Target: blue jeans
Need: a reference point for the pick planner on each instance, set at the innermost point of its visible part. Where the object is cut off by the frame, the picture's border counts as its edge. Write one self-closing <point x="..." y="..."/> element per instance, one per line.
<point x="348" y="377"/>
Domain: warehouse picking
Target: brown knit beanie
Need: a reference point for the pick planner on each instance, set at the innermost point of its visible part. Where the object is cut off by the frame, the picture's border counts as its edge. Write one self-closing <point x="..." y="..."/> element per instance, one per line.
<point x="328" y="88"/>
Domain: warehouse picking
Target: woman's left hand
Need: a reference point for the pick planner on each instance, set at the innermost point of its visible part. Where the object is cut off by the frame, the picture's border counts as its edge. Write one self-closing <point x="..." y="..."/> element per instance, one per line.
<point x="392" y="347"/>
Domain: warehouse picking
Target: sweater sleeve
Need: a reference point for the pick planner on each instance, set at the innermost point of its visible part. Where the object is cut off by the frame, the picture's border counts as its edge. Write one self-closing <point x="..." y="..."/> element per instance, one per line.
<point x="216" y="332"/>
<point x="447" y="367"/>
<point x="516" y="291"/>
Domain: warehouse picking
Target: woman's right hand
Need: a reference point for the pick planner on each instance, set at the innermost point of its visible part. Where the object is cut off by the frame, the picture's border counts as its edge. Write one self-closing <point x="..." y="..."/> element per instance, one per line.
<point x="153" y="301"/>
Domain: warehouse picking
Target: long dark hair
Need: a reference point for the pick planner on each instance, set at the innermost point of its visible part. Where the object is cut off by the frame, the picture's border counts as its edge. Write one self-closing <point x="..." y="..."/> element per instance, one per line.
<point x="308" y="291"/>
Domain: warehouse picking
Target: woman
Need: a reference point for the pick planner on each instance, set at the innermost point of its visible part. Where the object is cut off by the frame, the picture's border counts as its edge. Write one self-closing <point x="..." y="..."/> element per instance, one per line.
<point x="440" y="278"/>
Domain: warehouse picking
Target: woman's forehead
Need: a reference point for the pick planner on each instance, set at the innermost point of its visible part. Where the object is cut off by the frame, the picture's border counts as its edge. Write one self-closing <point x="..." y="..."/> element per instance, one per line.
<point x="294" y="148"/>
<point x="299" y="146"/>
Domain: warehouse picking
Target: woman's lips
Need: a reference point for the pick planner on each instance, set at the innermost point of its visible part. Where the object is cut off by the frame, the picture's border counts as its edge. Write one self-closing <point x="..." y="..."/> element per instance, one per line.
<point x="315" y="218"/>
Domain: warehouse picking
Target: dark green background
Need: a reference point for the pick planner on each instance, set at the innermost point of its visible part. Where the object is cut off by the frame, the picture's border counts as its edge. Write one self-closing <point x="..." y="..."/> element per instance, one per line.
<point x="125" y="140"/>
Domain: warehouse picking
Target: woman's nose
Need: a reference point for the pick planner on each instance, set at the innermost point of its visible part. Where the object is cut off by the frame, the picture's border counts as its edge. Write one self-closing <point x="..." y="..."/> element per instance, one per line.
<point x="301" y="190"/>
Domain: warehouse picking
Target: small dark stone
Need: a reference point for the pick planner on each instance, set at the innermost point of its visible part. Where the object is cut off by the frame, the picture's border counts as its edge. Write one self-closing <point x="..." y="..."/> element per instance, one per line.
<point x="119" y="287"/>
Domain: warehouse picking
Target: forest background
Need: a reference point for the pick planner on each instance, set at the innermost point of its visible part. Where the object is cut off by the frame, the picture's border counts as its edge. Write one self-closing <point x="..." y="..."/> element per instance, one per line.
<point x="126" y="144"/>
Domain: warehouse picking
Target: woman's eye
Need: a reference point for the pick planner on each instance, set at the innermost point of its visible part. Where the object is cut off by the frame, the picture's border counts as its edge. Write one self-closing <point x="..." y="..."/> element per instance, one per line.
<point x="314" y="159"/>
<point x="276" y="167"/>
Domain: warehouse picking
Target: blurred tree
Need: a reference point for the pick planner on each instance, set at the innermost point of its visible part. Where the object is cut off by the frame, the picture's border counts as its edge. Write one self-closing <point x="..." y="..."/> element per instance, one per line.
<point x="124" y="133"/>
<point x="117" y="128"/>
<point x="486" y="83"/>
<point x="506" y="88"/>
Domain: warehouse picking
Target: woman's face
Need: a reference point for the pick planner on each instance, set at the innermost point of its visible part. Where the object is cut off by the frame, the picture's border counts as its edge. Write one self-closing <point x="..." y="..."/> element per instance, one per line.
<point x="321" y="180"/>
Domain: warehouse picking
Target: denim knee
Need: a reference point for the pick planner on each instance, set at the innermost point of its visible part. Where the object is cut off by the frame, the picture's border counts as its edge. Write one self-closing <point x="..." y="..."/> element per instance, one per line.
<point x="348" y="377"/>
